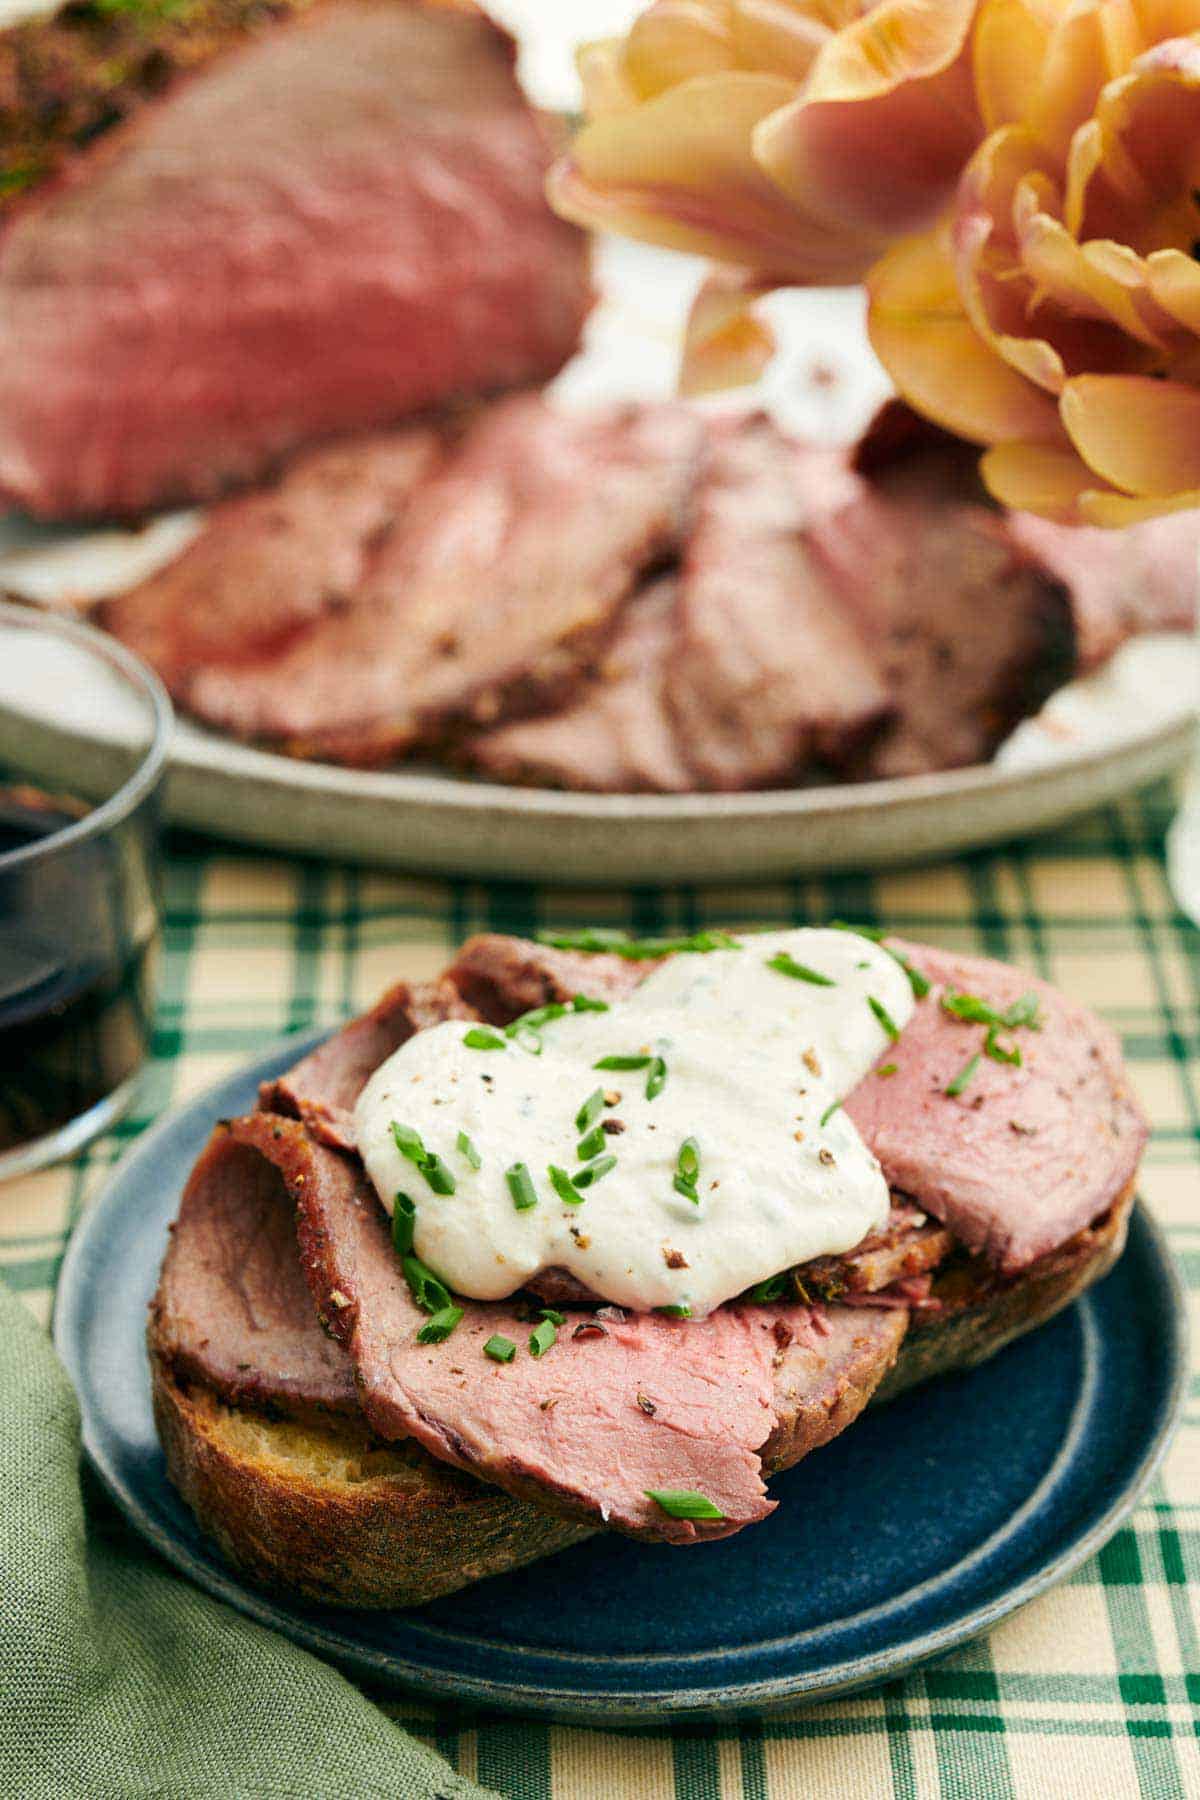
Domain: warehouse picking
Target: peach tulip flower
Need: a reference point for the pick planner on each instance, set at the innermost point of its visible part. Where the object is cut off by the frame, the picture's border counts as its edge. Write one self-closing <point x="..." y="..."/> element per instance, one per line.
<point x="1018" y="181"/>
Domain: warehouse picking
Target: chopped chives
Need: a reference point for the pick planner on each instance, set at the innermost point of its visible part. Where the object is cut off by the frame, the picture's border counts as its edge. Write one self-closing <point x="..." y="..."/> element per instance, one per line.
<point x="590" y="1111"/>
<point x="687" y="1170"/>
<point x="656" y="1080"/>
<point x="969" y="1007"/>
<point x="408" y="1142"/>
<point x="467" y="1149"/>
<point x="587" y="1003"/>
<point x="528" y="1040"/>
<point x="555" y="1318"/>
<point x="623" y="1062"/>
<point x="829" y="1111"/>
<point x="1023" y="1012"/>
<point x="675" y="1312"/>
<point x="1001" y="1053"/>
<point x="593" y="937"/>
<point x="482" y="1037"/>
<point x="919" y="983"/>
<point x="593" y="1171"/>
<point x="520" y="1186"/>
<point x="887" y="1069"/>
<point x="564" y="1187"/>
<point x="500" y="1349"/>
<point x="874" y="934"/>
<point x="439" y="1177"/>
<point x="404" y="1219"/>
<point x="543" y="1337"/>
<point x="538" y="1015"/>
<point x="764" y="1292"/>
<point x="980" y="1012"/>
<point x="440" y="1326"/>
<point x="884" y="1016"/>
<point x="592" y="1144"/>
<point x="428" y="1290"/>
<point x="956" y="1087"/>
<point x="684" y="1503"/>
<point x="785" y="964"/>
<point x="619" y="943"/>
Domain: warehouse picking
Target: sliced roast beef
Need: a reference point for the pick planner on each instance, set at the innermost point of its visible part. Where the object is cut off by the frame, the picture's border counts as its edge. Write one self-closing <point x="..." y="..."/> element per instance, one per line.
<point x="908" y="1247"/>
<point x="233" y="1308"/>
<point x="323" y="1086"/>
<point x="969" y="633"/>
<point x="1017" y="1164"/>
<point x="770" y="671"/>
<point x="493" y="596"/>
<point x="231" y="229"/>
<point x="1024" y="1157"/>
<point x="616" y="736"/>
<point x="503" y="977"/>
<point x="268" y="564"/>
<point x="629" y="1403"/>
<point x="1121" y="583"/>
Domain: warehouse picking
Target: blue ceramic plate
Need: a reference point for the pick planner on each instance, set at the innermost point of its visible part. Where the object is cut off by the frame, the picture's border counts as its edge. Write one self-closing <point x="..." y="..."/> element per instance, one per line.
<point x="928" y="1521"/>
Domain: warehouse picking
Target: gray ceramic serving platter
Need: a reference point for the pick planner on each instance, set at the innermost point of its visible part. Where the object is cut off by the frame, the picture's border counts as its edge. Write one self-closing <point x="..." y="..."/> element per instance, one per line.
<point x="925" y="1524"/>
<point x="1096" y="739"/>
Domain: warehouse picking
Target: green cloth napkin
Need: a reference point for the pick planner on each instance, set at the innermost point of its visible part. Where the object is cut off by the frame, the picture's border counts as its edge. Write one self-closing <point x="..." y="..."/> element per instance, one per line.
<point x="119" y="1678"/>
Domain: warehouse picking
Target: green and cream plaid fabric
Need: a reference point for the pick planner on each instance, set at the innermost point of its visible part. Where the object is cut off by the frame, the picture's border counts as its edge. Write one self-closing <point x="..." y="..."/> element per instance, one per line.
<point x="1094" y="1690"/>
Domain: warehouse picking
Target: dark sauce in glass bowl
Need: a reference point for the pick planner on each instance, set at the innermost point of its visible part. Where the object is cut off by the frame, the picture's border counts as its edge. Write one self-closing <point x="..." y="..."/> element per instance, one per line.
<point x="78" y="933"/>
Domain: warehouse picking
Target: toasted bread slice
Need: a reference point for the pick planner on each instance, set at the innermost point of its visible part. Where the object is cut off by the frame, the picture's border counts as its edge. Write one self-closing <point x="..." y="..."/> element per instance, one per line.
<point x="327" y="1512"/>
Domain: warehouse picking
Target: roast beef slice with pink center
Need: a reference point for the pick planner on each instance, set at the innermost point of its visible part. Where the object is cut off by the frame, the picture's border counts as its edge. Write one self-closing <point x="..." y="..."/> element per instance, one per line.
<point x="970" y="634"/>
<point x="1142" y="578"/>
<point x="1120" y="582"/>
<point x="1023" y="1160"/>
<point x="630" y="1403"/>
<point x="771" y="672"/>
<point x="1024" y="1157"/>
<point x="331" y="217"/>
<point x="617" y="735"/>
<point x="233" y="1309"/>
<point x="494" y="594"/>
<point x="267" y="564"/>
<point x="322" y="1088"/>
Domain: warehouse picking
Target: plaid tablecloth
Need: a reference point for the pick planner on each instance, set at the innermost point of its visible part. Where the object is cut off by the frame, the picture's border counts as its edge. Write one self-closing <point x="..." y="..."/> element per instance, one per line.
<point x="1094" y="1690"/>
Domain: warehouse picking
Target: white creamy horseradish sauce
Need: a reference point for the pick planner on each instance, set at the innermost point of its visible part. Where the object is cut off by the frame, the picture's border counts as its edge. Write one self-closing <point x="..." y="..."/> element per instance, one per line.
<point x="732" y="1159"/>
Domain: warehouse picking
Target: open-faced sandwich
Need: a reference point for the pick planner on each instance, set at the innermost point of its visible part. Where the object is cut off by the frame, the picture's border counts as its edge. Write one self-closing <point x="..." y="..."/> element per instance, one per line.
<point x="602" y="1234"/>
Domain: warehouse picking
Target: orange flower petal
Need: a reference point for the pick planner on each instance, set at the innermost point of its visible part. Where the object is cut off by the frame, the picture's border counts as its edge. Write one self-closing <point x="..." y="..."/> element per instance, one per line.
<point x="1090" y="43"/>
<point x="1009" y="40"/>
<point x="726" y="344"/>
<point x="937" y="359"/>
<point x="785" y="36"/>
<point x="1039" y="478"/>
<point x="674" y="40"/>
<point x="1103" y="506"/>
<point x="1139" y="435"/>
<point x="1174" y="281"/>
<point x="884" y="123"/>
<point x="1160" y="19"/>
<point x="602" y="74"/>
<point x="679" y="170"/>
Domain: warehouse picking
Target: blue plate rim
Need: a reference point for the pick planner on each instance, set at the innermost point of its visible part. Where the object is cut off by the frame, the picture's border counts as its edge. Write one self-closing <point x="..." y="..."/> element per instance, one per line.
<point x="576" y="1704"/>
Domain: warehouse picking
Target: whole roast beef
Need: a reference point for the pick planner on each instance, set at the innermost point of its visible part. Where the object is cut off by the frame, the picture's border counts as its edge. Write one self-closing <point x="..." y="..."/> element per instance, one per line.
<point x="230" y="228"/>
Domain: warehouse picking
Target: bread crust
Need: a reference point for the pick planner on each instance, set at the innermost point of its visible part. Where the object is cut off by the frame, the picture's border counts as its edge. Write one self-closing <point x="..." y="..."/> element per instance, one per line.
<point x="326" y="1512"/>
